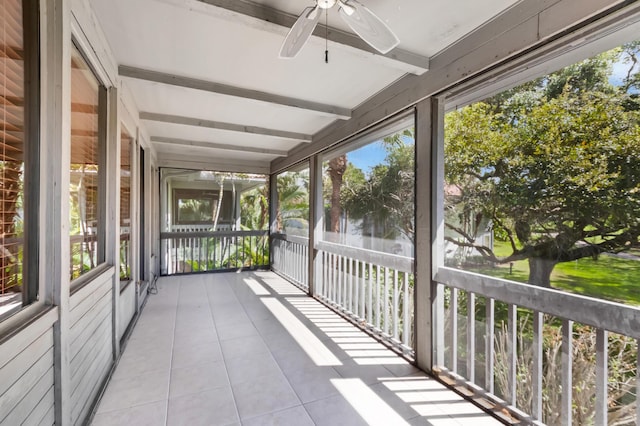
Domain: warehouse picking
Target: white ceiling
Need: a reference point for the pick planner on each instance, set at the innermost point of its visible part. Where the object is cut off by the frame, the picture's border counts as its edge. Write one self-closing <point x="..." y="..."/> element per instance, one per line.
<point x="193" y="39"/>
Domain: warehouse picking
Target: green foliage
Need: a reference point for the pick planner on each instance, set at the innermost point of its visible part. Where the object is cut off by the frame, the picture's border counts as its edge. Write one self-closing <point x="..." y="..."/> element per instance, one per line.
<point x="293" y="200"/>
<point x="254" y="208"/>
<point x="386" y="196"/>
<point x="554" y="167"/>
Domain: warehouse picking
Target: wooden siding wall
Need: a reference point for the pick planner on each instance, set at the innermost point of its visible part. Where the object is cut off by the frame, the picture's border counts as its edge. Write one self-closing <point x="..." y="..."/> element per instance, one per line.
<point x="26" y="374"/>
<point x="127" y="308"/>
<point x="90" y="343"/>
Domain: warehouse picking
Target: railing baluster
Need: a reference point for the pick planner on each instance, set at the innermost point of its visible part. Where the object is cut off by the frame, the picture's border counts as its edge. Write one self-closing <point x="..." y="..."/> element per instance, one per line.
<point x="363" y="290"/>
<point x="453" y="309"/>
<point x="471" y="337"/>
<point x="356" y="289"/>
<point x="370" y="295"/>
<point x="386" y="302"/>
<point x="331" y="291"/>
<point x="340" y="299"/>
<point x="567" y="367"/>
<point x="489" y="343"/>
<point x="406" y="324"/>
<point x="378" y="323"/>
<point x="512" y="325"/>
<point x="536" y="371"/>
<point x="396" y="303"/>
<point x="601" y="378"/>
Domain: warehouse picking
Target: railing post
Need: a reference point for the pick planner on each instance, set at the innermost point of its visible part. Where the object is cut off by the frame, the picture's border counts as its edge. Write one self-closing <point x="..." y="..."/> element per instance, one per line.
<point x="429" y="238"/>
<point x="273" y="213"/>
<point x="601" y="378"/>
<point x="316" y="217"/>
<point x="566" y="409"/>
<point x="537" y="371"/>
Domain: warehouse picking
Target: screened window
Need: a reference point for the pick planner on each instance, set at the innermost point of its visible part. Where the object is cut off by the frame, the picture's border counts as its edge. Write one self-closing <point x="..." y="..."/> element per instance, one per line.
<point x="196" y="207"/>
<point x="18" y="154"/>
<point x="542" y="181"/>
<point x="368" y="191"/>
<point x="293" y="202"/>
<point x="87" y="193"/>
<point x="126" y="142"/>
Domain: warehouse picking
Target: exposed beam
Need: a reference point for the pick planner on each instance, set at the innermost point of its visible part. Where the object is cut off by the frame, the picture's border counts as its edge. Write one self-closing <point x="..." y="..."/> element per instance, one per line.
<point x="210" y="145"/>
<point x="397" y="58"/>
<point x="197" y="122"/>
<point x="208" y="163"/>
<point x="239" y="92"/>
<point x="498" y="45"/>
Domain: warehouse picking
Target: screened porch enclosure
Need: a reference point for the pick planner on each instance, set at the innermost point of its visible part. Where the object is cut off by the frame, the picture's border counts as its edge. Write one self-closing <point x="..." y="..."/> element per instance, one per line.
<point x="213" y="221"/>
<point x="443" y="229"/>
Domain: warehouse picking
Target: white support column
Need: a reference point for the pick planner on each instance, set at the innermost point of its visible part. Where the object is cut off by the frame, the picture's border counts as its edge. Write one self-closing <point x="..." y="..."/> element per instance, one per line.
<point x="316" y="216"/>
<point x="112" y="220"/>
<point x="429" y="160"/>
<point x="273" y="213"/>
<point x="422" y="253"/>
<point x="54" y="187"/>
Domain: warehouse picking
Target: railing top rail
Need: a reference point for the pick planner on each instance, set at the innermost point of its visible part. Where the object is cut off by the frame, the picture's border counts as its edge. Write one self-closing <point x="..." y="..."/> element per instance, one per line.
<point x="204" y="234"/>
<point x="400" y="263"/>
<point x="610" y="316"/>
<point x="292" y="238"/>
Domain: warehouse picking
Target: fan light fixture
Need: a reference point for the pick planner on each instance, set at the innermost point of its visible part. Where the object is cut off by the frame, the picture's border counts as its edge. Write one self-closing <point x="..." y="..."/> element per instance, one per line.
<point x="361" y="20"/>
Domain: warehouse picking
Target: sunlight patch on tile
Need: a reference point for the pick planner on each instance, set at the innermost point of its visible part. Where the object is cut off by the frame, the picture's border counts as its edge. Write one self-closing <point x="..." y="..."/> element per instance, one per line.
<point x="281" y="288"/>
<point x="314" y="348"/>
<point x="387" y="360"/>
<point x="431" y="397"/>
<point x="365" y="345"/>
<point x="256" y="287"/>
<point x="413" y="384"/>
<point x="373" y="409"/>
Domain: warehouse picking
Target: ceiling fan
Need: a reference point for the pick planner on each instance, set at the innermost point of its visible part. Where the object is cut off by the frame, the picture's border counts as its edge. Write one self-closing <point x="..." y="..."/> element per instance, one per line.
<point x="362" y="21"/>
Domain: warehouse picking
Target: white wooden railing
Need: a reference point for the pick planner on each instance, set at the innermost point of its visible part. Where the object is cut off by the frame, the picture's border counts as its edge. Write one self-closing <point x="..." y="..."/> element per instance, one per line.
<point x="546" y="310"/>
<point x="196" y="252"/>
<point x="490" y="335"/>
<point x="373" y="288"/>
<point x="290" y="258"/>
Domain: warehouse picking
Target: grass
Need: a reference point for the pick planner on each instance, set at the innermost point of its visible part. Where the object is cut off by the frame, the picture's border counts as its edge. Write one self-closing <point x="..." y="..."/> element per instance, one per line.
<point x="607" y="277"/>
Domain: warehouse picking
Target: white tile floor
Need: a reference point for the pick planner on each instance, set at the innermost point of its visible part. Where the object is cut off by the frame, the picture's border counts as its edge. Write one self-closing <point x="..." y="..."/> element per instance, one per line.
<point x="251" y="349"/>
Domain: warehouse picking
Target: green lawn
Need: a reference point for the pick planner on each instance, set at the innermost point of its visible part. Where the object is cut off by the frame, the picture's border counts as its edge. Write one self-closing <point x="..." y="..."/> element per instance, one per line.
<point x="607" y="277"/>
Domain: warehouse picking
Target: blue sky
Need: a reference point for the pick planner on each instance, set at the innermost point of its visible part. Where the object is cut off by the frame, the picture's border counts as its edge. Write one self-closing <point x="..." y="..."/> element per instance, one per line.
<point x="368" y="156"/>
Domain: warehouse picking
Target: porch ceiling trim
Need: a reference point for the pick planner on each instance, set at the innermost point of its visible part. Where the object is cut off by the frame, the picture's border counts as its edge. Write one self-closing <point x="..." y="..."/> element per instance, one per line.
<point x="397" y="58"/>
<point x="197" y="122"/>
<point x="204" y="163"/>
<point x="213" y="145"/>
<point x="239" y="92"/>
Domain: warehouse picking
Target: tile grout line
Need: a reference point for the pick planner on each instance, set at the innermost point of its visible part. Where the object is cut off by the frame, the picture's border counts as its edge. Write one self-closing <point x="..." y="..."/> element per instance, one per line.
<point x="224" y="361"/>
<point x="253" y="275"/>
<point x="302" y="404"/>
<point x="173" y="340"/>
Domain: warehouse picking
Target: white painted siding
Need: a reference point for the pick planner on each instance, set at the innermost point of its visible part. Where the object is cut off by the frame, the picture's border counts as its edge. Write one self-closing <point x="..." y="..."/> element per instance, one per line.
<point x="26" y="374"/>
<point x="127" y="307"/>
<point x="91" y="352"/>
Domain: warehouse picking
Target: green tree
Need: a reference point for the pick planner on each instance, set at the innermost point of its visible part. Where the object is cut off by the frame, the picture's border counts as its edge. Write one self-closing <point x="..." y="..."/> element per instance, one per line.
<point x="254" y="208"/>
<point x="386" y="196"/>
<point x="555" y="168"/>
<point x="335" y="171"/>
<point x="293" y="200"/>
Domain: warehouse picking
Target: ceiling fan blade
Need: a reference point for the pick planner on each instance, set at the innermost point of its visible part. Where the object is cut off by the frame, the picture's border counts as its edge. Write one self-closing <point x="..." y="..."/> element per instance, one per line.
<point x="300" y="32"/>
<point x="369" y="27"/>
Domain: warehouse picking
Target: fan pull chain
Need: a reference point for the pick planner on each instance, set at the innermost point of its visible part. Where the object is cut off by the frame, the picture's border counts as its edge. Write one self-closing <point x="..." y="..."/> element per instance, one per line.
<point x="326" y="36"/>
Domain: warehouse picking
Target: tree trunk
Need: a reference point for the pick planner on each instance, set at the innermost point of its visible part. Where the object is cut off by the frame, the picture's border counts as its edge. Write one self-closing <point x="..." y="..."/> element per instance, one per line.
<point x="540" y="271"/>
<point x="337" y="167"/>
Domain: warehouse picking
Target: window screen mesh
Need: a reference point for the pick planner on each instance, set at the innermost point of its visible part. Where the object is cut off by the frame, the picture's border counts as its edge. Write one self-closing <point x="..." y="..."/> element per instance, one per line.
<point x="85" y="167"/>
